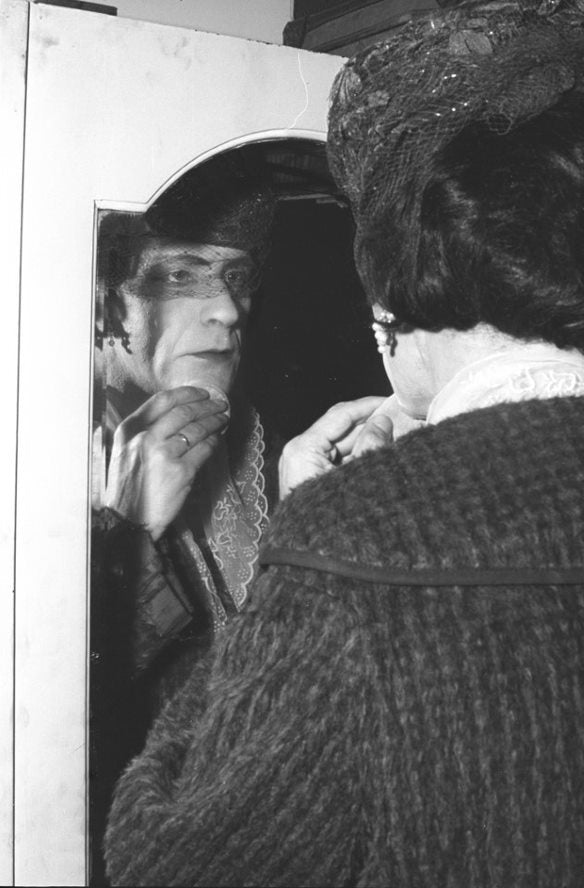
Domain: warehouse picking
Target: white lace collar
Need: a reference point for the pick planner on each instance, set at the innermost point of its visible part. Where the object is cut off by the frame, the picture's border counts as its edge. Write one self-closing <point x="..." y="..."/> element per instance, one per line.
<point x="531" y="370"/>
<point x="233" y="508"/>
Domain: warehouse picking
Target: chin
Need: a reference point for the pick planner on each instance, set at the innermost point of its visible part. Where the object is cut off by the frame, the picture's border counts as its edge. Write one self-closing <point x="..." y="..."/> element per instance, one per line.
<point x="201" y="377"/>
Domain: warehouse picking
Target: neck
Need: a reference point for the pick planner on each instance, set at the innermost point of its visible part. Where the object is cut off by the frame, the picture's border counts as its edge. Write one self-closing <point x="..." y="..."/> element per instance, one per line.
<point x="447" y="352"/>
<point x="507" y="371"/>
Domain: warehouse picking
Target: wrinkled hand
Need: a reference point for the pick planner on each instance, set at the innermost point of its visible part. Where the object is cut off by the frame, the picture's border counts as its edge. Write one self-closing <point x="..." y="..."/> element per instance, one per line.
<point x="152" y="469"/>
<point x="327" y="443"/>
<point x="386" y="424"/>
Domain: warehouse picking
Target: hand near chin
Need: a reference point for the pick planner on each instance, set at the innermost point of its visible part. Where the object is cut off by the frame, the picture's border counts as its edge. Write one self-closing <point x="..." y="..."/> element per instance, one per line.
<point x="386" y="424"/>
<point x="157" y="452"/>
<point x="327" y="443"/>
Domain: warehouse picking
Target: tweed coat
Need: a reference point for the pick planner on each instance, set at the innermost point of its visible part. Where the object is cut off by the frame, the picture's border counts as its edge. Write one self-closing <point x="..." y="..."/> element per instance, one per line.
<point x="368" y="732"/>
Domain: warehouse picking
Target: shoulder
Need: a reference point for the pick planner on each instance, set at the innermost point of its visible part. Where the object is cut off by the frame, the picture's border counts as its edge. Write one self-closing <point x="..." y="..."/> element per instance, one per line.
<point x="444" y="492"/>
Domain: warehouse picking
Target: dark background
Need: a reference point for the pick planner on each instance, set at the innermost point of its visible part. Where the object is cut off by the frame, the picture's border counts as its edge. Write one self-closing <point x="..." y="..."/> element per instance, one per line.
<point x="309" y="342"/>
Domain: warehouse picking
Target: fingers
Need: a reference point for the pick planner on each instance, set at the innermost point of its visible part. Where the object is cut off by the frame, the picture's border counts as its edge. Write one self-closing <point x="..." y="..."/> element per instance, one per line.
<point x="166" y="413"/>
<point x="340" y="420"/>
<point x="376" y="432"/>
<point x="190" y="419"/>
<point x="193" y="434"/>
<point x="325" y="444"/>
<point x="158" y="405"/>
<point x="157" y="452"/>
<point x="388" y="423"/>
<point x="299" y="463"/>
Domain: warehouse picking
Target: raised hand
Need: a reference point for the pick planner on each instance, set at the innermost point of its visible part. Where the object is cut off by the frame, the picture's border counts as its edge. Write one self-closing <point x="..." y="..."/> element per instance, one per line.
<point x="385" y="425"/>
<point x="327" y="443"/>
<point x="157" y="452"/>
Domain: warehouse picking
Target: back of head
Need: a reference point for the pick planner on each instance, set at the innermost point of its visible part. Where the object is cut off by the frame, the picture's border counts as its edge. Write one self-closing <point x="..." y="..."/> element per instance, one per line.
<point x="460" y="144"/>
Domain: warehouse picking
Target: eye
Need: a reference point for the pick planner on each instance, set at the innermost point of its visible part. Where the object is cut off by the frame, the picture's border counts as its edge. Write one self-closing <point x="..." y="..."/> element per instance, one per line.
<point x="170" y="273"/>
<point x="237" y="276"/>
<point x="178" y="276"/>
<point x="168" y="280"/>
<point x="241" y="281"/>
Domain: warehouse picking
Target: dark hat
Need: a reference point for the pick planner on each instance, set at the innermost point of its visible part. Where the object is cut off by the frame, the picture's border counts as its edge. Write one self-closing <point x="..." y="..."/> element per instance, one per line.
<point x="226" y="201"/>
<point x="396" y="106"/>
<point x="397" y="102"/>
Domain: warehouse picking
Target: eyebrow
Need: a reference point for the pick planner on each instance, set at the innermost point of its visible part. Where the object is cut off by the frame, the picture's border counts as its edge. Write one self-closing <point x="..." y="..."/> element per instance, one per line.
<point x="193" y="260"/>
<point x="199" y="260"/>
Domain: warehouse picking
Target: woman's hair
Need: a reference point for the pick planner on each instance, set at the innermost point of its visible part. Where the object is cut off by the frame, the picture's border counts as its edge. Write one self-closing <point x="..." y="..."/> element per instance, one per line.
<point x="501" y="234"/>
<point x="459" y="142"/>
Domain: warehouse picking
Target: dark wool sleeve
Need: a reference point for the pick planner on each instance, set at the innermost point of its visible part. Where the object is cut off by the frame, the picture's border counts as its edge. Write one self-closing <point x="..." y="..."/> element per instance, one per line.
<point x="139" y="606"/>
<point x="261" y="785"/>
<point x="357" y="735"/>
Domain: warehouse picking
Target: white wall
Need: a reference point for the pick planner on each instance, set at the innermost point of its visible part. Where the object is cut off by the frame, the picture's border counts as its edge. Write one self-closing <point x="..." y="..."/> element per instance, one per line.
<point x="254" y="19"/>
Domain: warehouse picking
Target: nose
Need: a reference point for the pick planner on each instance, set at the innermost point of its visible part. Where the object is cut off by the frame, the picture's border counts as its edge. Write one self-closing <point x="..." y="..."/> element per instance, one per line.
<point x="221" y="308"/>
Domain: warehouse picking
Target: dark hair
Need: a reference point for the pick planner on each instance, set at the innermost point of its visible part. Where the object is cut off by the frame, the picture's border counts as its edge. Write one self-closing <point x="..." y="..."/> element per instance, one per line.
<point x="497" y="236"/>
<point x="121" y="239"/>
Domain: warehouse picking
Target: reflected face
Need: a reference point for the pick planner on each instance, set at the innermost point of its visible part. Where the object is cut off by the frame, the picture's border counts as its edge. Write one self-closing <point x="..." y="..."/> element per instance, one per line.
<point x="184" y="310"/>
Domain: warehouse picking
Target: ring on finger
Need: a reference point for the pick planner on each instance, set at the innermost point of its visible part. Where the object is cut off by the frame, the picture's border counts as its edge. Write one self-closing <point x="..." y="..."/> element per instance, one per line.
<point x="184" y="438"/>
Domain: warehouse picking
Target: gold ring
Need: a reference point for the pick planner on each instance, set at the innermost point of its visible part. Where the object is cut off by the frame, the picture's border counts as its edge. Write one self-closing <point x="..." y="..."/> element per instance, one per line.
<point x="184" y="438"/>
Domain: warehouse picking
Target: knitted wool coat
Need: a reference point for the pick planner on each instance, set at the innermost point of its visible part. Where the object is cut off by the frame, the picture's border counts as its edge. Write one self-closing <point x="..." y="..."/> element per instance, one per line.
<point x="353" y="733"/>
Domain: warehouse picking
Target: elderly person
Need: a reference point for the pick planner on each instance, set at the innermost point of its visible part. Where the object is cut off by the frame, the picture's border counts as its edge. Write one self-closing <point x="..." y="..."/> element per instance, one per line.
<point x="402" y="704"/>
<point x="177" y="459"/>
<point x="179" y="491"/>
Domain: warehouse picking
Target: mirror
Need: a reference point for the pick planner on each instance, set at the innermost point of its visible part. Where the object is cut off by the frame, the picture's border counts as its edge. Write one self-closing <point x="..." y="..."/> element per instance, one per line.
<point x="263" y="228"/>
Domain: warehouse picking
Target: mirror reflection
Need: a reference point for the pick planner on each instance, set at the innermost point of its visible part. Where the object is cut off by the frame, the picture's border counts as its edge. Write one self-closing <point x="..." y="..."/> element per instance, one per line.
<point x="228" y="317"/>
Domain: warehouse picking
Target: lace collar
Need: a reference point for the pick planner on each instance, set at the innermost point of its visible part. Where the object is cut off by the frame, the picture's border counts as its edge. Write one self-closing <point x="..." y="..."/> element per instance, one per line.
<point x="227" y="508"/>
<point x="228" y="500"/>
<point x="531" y="370"/>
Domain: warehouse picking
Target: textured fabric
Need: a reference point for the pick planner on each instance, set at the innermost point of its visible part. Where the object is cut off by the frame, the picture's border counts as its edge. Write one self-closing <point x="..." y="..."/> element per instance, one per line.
<point x="205" y="560"/>
<point x="435" y="577"/>
<point x="226" y="201"/>
<point x="398" y="103"/>
<point x="347" y="734"/>
<point x="156" y="607"/>
<point x="502" y="62"/>
<point x="531" y="370"/>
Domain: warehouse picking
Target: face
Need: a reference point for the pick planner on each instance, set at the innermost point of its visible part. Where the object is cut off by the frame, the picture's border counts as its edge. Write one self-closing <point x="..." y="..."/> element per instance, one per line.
<point x="407" y="370"/>
<point x="184" y="311"/>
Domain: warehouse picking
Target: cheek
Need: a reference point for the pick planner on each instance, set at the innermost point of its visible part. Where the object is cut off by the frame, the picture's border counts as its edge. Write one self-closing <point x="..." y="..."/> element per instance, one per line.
<point x="188" y="313"/>
<point x="404" y="373"/>
<point x="178" y="320"/>
<point x="147" y="327"/>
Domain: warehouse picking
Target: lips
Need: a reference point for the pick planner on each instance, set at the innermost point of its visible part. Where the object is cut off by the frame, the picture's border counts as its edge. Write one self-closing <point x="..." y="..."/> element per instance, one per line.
<point x="212" y="354"/>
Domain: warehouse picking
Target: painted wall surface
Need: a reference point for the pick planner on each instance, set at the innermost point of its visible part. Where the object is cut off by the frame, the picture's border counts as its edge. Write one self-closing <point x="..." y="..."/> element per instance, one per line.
<point x="113" y="128"/>
<point x="12" y="72"/>
<point x="253" y="19"/>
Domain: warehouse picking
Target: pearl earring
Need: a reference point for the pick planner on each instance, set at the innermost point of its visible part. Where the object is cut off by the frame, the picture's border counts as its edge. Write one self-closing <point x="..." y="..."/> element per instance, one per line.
<point x="384" y="328"/>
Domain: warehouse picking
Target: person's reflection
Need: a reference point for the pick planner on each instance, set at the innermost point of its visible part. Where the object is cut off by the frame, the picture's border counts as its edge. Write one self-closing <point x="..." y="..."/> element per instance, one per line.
<point x="180" y="504"/>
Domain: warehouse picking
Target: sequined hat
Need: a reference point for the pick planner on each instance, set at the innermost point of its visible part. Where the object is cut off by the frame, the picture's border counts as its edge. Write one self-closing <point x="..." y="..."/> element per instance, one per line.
<point x="398" y="102"/>
<point x="226" y="201"/>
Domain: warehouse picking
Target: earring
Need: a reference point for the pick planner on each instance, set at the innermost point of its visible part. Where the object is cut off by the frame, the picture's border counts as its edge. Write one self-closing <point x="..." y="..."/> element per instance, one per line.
<point x="384" y="330"/>
<point x="114" y="328"/>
